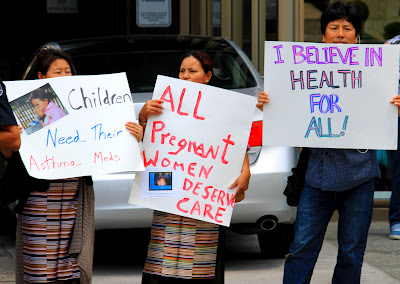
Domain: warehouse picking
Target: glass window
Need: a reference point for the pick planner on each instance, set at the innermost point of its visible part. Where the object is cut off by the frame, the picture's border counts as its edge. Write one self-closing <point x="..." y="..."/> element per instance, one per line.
<point x="271" y="23"/>
<point x="380" y="19"/>
<point x="216" y="10"/>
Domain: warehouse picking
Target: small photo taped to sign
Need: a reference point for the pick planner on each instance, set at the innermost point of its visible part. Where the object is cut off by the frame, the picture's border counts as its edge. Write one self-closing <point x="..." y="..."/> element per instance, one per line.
<point x="160" y="183"/>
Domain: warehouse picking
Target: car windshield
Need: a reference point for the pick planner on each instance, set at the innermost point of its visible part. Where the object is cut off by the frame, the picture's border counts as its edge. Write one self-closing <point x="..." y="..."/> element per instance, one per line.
<point x="142" y="68"/>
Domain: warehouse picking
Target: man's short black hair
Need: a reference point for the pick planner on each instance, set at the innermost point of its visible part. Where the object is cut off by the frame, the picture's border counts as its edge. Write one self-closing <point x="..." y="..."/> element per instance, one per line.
<point x="338" y="10"/>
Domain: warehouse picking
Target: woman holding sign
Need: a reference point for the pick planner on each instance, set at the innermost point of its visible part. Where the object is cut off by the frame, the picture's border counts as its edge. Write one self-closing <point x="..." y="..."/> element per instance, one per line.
<point x="173" y="253"/>
<point x="55" y="232"/>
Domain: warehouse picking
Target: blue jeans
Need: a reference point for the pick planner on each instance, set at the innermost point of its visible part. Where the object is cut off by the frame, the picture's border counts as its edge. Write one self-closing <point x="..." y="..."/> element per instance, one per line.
<point x="314" y="212"/>
<point x="394" y="207"/>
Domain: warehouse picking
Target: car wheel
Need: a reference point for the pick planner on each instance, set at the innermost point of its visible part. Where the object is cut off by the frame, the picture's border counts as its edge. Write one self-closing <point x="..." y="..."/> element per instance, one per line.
<point x="276" y="243"/>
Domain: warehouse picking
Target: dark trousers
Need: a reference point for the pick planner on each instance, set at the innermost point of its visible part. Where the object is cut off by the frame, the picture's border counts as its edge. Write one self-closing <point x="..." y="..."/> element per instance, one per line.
<point x="394" y="207"/>
<point x="314" y="212"/>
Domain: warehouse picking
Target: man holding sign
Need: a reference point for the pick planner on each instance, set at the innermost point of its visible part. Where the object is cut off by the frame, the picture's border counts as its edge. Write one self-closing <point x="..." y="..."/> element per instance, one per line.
<point x="336" y="179"/>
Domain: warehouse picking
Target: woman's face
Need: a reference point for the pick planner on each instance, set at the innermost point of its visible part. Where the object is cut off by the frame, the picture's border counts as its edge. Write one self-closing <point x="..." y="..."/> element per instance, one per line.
<point x="191" y="70"/>
<point x="41" y="104"/>
<point x="58" y="68"/>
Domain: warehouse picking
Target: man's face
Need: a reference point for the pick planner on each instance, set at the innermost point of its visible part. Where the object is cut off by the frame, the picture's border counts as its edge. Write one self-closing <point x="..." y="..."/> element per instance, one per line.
<point x="340" y="31"/>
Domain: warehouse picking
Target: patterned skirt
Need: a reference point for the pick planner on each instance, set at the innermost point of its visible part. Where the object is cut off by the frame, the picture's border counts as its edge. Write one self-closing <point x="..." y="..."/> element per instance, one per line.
<point x="182" y="247"/>
<point x="47" y="223"/>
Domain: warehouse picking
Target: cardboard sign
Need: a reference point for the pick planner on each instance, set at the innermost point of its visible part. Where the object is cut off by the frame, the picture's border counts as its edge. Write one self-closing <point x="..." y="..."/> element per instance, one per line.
<point x="331" y="95"/>
<point x="194" y="150"/>
<point x="75" y="126"/>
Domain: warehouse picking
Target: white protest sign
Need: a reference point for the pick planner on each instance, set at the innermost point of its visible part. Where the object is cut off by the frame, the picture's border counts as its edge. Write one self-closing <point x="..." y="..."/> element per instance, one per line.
<point x="83" y="131"/>
<point x="194" y="150"/>
<point x="331" y="95"/>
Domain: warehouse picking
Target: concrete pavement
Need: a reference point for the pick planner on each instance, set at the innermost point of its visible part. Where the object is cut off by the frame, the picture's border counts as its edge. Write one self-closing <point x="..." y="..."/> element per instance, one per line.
<point x="245" y="263"/>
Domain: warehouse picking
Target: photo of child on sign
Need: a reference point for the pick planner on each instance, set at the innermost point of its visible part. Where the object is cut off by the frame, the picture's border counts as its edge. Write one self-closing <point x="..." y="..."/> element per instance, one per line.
<point x="201" y="143"/>
<point x="38" y="108"/>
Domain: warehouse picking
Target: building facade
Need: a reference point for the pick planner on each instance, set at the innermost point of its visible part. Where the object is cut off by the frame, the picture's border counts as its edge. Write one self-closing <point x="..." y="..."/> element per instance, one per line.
<point x="26" y="25"/>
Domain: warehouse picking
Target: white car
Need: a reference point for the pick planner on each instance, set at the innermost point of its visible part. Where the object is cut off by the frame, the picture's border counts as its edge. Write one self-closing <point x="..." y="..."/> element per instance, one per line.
<point x="264" y="210"/>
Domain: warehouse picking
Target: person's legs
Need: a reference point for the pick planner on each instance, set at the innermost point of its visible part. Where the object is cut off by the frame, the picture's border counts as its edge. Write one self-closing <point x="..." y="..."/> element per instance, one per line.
<point x="314" y="211"/>
<point x="355" y="213"/>
<point x="394" y="207"/>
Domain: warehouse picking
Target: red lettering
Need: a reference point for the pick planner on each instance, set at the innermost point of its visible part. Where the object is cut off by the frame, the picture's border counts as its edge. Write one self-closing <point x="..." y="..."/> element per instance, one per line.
<point x="197" y="186"/>
<point x="180" y="104"/>
<point x="191" y="168"/>
<point x="214" y="195"/>
<point x="102" y="158"/>
<point x="204" y="170"/>
<point x="230" y="200"/>
<point x="196" y="207"/>
<point x="98" y="156"/>
<point x="165" y="162"/>
<point x="176" y="164"/>
<point x="200" y="150"/>
<point x="182" y="144"/>
<point x="163" y="136"/>
<point x="192" y="144"/>
<point x="219" y="214"/>
<point x="227" y="143"/>
<point x="207" y="192"/>
<point x="178" y="205"/>
<point x="50" y="163"/>
<point x="221" y="195"/>
<point x="184" y="184"/>
<point x="171" y="99"/>
<point x="154" y="130"/>
<point x="153" y="162"/>
<point x="34" y="162"/>
<point x="207" y="211"/>
<point x="213" y="154"/>
<point x="173" y="138"/>
<point x="197" y="107"/>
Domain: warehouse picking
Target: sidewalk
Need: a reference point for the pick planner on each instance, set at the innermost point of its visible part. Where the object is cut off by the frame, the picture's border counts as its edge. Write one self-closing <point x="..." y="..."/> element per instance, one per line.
<point x="239" y="271"/>
<point x="245" y="262"/>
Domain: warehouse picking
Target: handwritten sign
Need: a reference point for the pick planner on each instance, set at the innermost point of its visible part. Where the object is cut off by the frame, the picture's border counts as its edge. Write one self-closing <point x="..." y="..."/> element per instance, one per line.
<point x="331" y="95"/>
<point x="75" y="125"/>
<point x="194" y="150"/>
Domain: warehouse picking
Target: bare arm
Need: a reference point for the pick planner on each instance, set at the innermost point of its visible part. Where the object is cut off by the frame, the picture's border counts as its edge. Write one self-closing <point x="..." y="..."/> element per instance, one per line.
<point x="151" y="107"/>
<point x="242" y="182"/>
<point x="10" y="140"/>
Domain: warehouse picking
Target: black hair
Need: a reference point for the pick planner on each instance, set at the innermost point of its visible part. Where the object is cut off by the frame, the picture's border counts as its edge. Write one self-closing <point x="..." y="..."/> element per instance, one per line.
<point x="41" y="94"/>
<point x="205" y="60"/>
<point x="48" y="56"/>
<point x="338" y="10"/>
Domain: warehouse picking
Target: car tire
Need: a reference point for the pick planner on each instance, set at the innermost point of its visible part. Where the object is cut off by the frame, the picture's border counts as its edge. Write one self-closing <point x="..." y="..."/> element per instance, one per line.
<point x="276" y="243"/>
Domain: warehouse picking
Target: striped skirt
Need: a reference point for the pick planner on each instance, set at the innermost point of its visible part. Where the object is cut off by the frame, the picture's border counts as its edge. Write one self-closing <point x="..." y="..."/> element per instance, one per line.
<point x="47" y="223"/>
<point x="182" y="247"/>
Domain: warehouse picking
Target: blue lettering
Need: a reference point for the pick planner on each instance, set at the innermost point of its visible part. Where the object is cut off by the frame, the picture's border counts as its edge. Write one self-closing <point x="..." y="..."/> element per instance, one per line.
<point x="62" y="140"/>
<point x="99" y="134"/>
